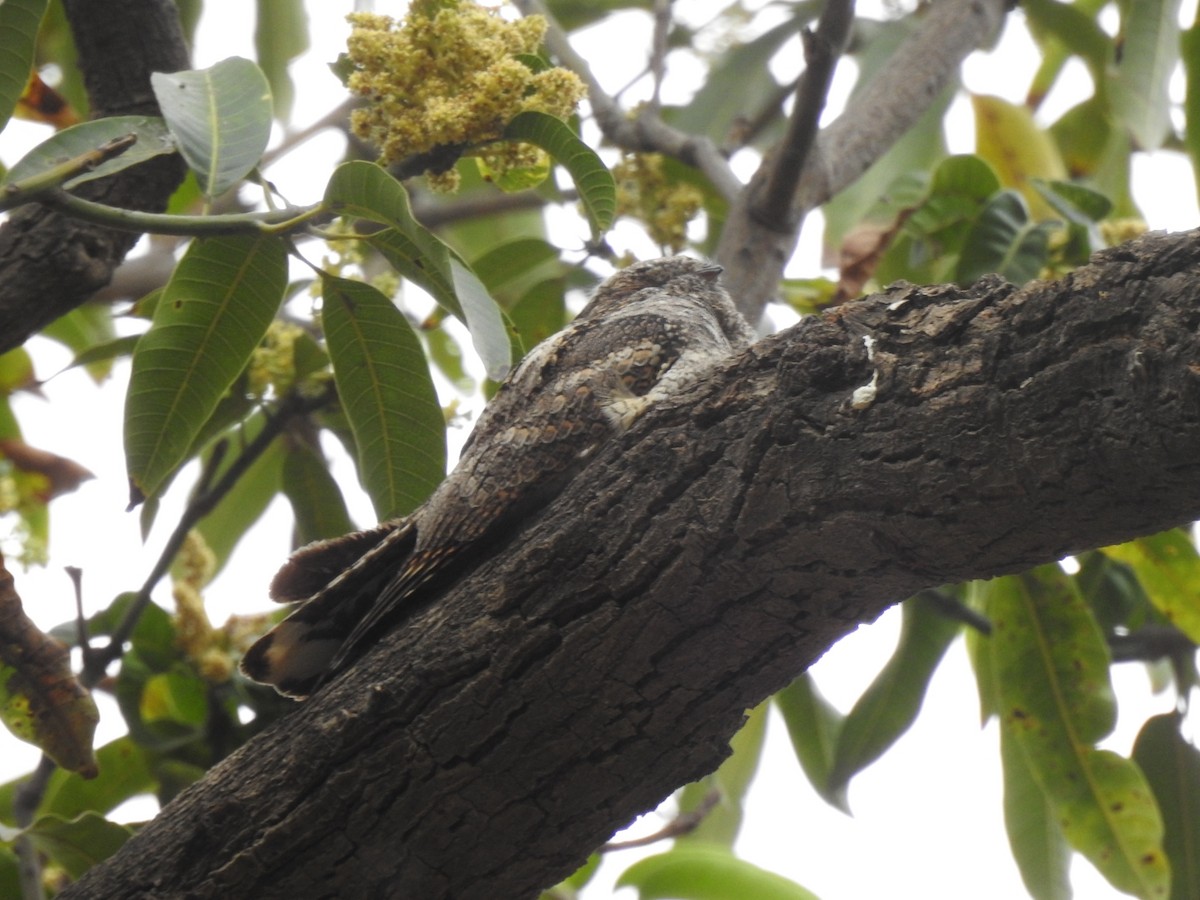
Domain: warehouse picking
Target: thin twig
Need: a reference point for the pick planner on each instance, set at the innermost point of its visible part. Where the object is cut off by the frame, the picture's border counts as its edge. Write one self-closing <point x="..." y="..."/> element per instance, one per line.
<point x="684" y="823"/>
<point x="201" y="505"/>
<point x="658" y="52"/>
<point x="645" y="133"/>
<point x="278" y="221"/>
<point x="26" y="799"/>
<point x="21" y="192"/>
<point x="822" y="50"/>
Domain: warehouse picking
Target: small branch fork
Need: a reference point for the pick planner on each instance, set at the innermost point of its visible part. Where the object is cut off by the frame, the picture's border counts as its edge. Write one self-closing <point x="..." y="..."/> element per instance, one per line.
<point x="210" y="491"/>
<point x="822" y="50"/>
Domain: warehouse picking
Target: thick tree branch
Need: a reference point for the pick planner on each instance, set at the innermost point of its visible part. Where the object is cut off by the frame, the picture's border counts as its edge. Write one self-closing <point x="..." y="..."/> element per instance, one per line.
<point x="49" y="262"/>
<point x="698" y="564"/>
<point x="754" y="254"/>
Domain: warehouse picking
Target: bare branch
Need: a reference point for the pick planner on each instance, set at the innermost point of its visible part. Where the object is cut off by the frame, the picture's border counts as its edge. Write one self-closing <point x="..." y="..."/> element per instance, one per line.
<point x="658" y="53"/>
<point x="50" y="263"/>
<point x="753" y="255"/>
<point x="647" y="132"/>
<point x="822" y="50"/>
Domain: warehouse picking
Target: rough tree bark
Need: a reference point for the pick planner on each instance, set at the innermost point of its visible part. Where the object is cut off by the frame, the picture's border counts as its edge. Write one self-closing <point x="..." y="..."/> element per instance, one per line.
<point x="700" y="562"/>
<point x="52" y="263"/>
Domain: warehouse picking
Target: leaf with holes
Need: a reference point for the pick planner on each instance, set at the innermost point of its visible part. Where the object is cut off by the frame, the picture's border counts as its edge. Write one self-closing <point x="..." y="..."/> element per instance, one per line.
<point x="213" y="313"/>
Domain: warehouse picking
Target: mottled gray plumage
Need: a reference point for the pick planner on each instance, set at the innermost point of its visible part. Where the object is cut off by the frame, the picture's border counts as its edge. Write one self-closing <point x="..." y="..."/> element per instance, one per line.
<point x="647" y="331"/>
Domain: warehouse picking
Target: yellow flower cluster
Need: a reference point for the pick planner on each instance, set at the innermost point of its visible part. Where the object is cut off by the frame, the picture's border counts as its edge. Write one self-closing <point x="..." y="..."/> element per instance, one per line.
<point x="194" y="633"/>
<point x="449" y="76"/>
<point x="664" y="206"/>
<point x="273" y="363"/>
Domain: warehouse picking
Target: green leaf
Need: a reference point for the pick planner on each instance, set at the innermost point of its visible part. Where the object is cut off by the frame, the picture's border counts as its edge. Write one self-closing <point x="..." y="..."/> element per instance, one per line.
<point x="317" y="502"/>
<point x="1168" y="568"/>
<point x="85" y="329"/>
<point x="1051" y="667"/>
<point x="1172" y="767"/>
<point x="385" y="388"/>
<point x="1149" y="50"/>
<point x="1079" y="32"/>
<point x="1004" y="241"/>
<point x="890" y="704"/>
<point x="238" y="510"/>
<point x="917" y="151"/>
<point x="97" y="358"/>
<point x="720" y="825"/>
<point x="280" y="35"/>
<point x="212" y="315"/>
<point x="596" y="187"/>
<point x="512" y="268"/>
<point x="1083" y="135"/>
<point x="124" y="773"/>
<point x="80" y="843"/>
<point x="715" y="110"/>
<point x="1038" y="847"/>
<point x="813" y="725"/>
<point x="221" y="117"/>
<point x="1007" y="137"/>
<point x="153" y="140"/>
<point x="1189" y="46"/>
<point x="19" y="23"/>
<point x="707" y="872"/>
<point x="176" y="697"/>
<point x="365" y="190"/>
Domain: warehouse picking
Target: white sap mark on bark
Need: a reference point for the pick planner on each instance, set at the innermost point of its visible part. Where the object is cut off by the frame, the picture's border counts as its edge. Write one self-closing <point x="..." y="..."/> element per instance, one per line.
<point x="864" y="396"/>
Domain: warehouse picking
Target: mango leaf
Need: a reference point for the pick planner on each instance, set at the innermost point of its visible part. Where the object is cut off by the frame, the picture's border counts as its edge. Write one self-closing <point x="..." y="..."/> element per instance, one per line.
<point x="714" y="110"/>
<point x="19" y="23"/>
<point x="221" y="117"/>
<point x="280" y="35"/>
<point x="80" y="843"/>
<point x="1078" y="31"/>
<point x="238" y="510"/>
<point x="1189" y="46"/>
<point x="212" y="315"/>
<point x="1149" y="49"/>
<point x="153" y="140"/>
<point x="1051" y="668"/>
<point x="41" y="701"/>
<point x="1038" y="846"/>
<point x="720" y="825"/>
<point x="10" y="880"/>
<point x="367" y="191"/>
<point x="82" y="329"/>
<point x="1083" y="135"/>
<point x="317" y="502"/>
<point x="890" y="704"/>
<point x="1012" y="143"/>
<point x="385" y="388"/>
<point x="918" y="150"/>
<point x="174" y="696"/>
<point x="1172" y="767"/>
<point x="512" y="268"/>
<point x="124" y="773"/>
<point x="707" y="872"/>
<point x="1168" y="568"/>
<point x="96" y="359"/>
<point x="813" y="725"/>
<point x="1004" y="241"/>
<point x="597" y="190"/>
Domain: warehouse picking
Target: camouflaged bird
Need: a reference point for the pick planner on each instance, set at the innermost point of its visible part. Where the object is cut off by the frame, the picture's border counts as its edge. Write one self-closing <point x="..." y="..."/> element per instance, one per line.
<point x="647" y="331"/>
